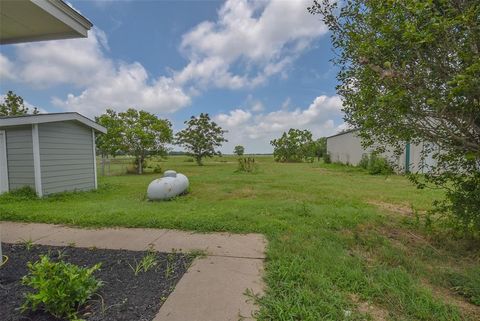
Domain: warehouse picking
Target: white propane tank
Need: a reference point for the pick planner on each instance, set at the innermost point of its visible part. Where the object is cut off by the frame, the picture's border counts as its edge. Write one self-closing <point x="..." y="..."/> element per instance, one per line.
<point x="170" y="185"/>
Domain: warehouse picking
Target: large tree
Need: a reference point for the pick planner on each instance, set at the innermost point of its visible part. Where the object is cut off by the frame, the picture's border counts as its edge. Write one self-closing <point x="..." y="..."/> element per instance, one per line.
<point x="410" y="72"/>
<point x="134" y="132"/>
<point x="201" y="137"/>
<point x="293" y="146"/>
<point x="13" y="105"/>
<point x="239" y="150"/>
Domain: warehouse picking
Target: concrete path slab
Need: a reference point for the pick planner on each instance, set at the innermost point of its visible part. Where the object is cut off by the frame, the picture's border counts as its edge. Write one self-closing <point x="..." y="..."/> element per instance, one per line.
<point x="207" y="290"/>
<point x="221" y="244"/>
<point x="213" y="289"/>
<point x="20" y="232"/>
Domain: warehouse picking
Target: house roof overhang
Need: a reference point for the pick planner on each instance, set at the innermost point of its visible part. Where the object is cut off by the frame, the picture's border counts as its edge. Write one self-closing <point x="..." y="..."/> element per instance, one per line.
<point x="36" y="20"/>
<point x="50" y="118"/>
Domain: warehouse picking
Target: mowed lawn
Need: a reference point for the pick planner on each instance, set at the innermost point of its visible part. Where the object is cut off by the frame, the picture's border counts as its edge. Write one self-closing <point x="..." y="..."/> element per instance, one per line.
<point x="343" y="245"/>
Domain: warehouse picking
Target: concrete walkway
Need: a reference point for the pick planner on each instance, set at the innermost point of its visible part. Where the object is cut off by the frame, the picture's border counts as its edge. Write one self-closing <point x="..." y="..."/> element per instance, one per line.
<point x="212" y="289"/>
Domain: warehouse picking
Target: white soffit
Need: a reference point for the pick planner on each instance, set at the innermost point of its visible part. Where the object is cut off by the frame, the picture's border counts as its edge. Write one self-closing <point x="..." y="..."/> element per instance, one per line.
<point x="35" y="20"/>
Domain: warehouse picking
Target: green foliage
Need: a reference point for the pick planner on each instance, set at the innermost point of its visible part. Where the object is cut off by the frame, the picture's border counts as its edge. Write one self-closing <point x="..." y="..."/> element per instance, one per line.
<point x="201" y="137"/>
<point x="133" y="132"/>
<point x="409" y="72"/>
<point x="320" y="147"/>
<point x="327" y="159"/>
<point x="157" y="169"/>
<point x="60" y="288"/>
<point x="22" y="193"/>
<point x="246" y="165"/>
<point x="375" y="164"/>
<point x="466" y="284"/>
<point x="13" y="106"/>
<point x="294" y="146"/>
<point x="239" y="150"/>
<point x="146" y="263"/>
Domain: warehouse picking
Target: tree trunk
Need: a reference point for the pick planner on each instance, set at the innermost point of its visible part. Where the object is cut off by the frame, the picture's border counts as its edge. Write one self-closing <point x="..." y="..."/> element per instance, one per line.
<point x="199" y="160"/>
<point x="140" y="168"/>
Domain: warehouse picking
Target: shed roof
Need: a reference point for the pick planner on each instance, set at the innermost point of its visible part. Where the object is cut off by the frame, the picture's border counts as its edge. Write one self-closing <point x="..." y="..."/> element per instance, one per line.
<point x="35" y="20"/>
<point x="49" y="118"/>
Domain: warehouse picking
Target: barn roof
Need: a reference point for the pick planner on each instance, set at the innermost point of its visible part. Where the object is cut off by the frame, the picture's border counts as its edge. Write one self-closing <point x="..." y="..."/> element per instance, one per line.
<point x="49" y="118"/>
<point x="343" y="132"/>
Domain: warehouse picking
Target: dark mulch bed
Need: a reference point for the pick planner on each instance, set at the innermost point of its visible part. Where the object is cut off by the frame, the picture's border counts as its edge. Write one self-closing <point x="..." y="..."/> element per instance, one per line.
<point x="123" y="296"/>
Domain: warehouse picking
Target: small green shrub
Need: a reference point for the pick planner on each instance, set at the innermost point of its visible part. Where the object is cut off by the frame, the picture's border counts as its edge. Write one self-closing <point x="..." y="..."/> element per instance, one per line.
<point x="25" y="193"/>
<point x="379" y="165"/>
<point x="157" y="169"/>
<point x="364" y="162"/>
<point x="326" y="158"/>
<point x="60" y="288"/>
<point x="375" y="165"/>
<point x="246" y="164"/>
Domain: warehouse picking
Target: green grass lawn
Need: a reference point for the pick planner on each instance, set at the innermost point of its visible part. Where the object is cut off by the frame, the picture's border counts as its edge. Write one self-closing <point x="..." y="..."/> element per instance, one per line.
<point x="343" y="245"/>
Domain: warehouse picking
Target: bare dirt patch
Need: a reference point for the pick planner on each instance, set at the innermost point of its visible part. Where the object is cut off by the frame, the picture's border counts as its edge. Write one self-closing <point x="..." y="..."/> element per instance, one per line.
<point x="468" y="309"/>
<point x="401" y="209"/>
<point x="377" y="313"/>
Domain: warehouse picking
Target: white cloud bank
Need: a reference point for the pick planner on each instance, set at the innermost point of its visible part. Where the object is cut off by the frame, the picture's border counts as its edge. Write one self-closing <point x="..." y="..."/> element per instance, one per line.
<point x="260" y="38"/>
<point x="102" y="81"/>
<point x="249" y="42"/>
<point x="322" y="117"/>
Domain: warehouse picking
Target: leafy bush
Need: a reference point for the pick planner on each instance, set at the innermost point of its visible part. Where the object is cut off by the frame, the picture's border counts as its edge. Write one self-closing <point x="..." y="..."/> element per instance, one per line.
<point x="60" y="288"/>
<point x="247" y="165"/>
<point x="375" y="165"/>
<point x="25" y="193"/>
<point x="364" y="162"/>
<point x="326" y="158"/>
<point x="157" y="169"/>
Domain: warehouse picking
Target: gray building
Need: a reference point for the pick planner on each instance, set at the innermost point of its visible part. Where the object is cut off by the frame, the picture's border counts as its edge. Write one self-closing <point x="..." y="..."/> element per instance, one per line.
<point x="346" y="148"/>
<point x="49" y="152"/>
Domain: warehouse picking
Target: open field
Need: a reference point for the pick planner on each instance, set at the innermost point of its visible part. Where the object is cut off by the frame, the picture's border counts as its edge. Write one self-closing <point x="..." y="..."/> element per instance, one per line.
<point x="343" y="245"/>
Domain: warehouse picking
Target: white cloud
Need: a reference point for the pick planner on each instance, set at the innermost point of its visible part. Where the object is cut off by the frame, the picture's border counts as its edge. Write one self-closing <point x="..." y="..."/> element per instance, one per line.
<point x="103" y="82"/>
<point x="234" y="118"/>
<point x="322" y="117"/>
<point x="260" y="38"/>
<point x="6" y="68"/>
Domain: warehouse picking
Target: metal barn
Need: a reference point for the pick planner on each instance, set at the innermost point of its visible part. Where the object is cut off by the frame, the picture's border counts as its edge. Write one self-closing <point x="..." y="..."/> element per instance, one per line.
<point x="346" y="148"/>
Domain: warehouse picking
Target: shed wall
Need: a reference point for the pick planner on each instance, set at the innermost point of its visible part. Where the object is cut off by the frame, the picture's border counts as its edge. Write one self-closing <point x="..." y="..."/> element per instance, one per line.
<point x="20" y="157"/>
<point x="66" y="157"/>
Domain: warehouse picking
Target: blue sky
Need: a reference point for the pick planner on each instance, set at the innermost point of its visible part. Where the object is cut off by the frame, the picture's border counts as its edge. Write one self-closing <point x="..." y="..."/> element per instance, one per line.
<point x="257" y="67"/>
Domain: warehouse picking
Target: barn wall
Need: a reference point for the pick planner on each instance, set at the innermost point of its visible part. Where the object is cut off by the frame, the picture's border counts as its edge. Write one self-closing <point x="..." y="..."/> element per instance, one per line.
<point x="66" y="157"/>
<point x="20" y="157"/>
<point x="346" y="148"/>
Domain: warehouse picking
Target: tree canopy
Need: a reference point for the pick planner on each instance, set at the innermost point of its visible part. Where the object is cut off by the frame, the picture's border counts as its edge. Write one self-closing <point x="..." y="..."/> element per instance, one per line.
<point x="294" y="146"/>
<point x="410" y="72"/>
<point x="239" y="150"/>
<point x="13" y="105"/>
<point x="134" y="132"/>
<point x="201" y="137"/>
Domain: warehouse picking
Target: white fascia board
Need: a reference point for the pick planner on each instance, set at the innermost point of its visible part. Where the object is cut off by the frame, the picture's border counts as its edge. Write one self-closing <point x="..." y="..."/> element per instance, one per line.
<point x="49" y="118"/>
<point x="65" y="14"/>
